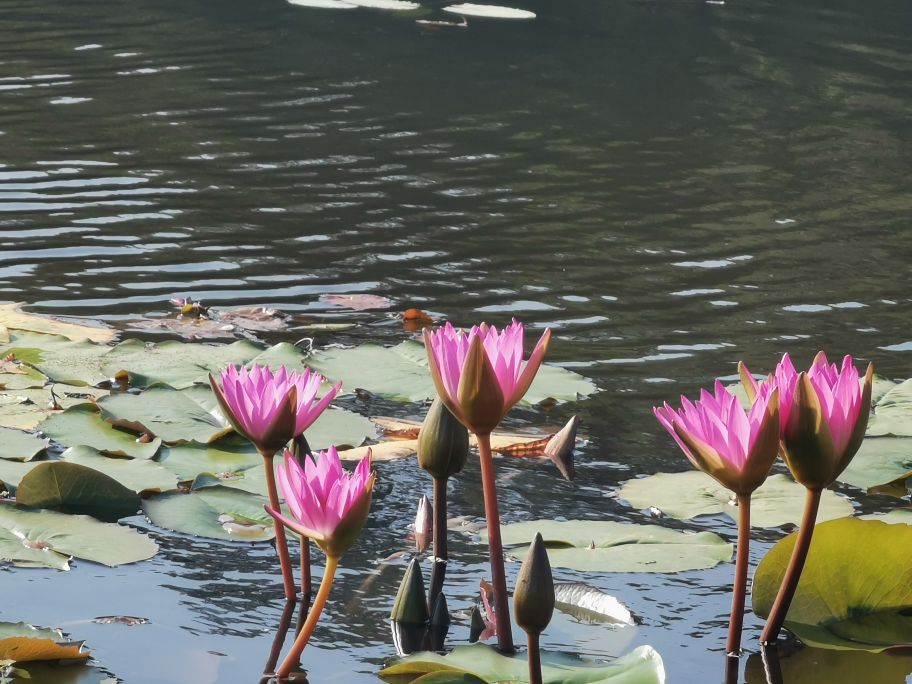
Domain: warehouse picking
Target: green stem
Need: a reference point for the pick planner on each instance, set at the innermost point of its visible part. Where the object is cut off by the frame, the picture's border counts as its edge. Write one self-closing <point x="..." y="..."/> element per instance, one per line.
<point x="739" y="589"/>
<point x="294" y="655"/>
<point x="793" y="573"/>
<point x="441" y="555"/>
<point x="281" y="542"/>
<point x="495" y="547"/>
<point x="535" y="673"/>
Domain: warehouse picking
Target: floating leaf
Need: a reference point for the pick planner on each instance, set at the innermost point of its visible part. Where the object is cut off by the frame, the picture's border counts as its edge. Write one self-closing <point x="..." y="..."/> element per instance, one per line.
<point x="779" y="501"/>
<point x="12" y="472"/>
<point x="17" y="376"/>
<point x="883" y="465"/>
<point x="47" y="539"/>
<point x="819" y="666"/>
<point x="215" y="512"/>
<point x="401" y="372"/>
<point x="337" y="426"/>
<point x="23" y="629"/>
<point x="59" y="358"/>
<point x="190" y="328"/>
<point x="176" y="416"/>
<point x="323" y="4"/>
<point x="894" y="517"/>
<point x="46" y="673"/>
<point x="879" y="387"/>
<point x="605" y="546"/>
<point x="590" y="604"/>
<point x="856" y="588"/>
<point x="25" y="409"/>
<point x="384" y="451"/>
<point x="227" y="457"/>
<point x="16" y="445"/>
<point x="641" y="666"/>
<point x="360" y="302"/>
<point x="489" y="11"/>
<point x="23" y="649"/>
<point x="892" y="415"/>
<point x="136" y="475"/>
<point x="11" y="317"/>
<point x="82" y="426"/>
<point x="74" y="488"/>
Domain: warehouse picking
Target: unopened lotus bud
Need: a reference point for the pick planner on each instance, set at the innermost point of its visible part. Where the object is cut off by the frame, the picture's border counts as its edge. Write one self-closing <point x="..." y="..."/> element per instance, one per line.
<point x="443" y="442"/>
<point x="476" y="625"/>
<point x="560" y="447"/>
<point x="440" y="617"/>
<point x="533" y="600"/>
<point x="410" y="606"/>
<point x="424" y="524"/>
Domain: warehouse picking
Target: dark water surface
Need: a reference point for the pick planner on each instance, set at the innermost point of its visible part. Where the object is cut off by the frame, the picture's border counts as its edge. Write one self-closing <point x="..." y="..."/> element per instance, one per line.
<point x="671" y="186"/>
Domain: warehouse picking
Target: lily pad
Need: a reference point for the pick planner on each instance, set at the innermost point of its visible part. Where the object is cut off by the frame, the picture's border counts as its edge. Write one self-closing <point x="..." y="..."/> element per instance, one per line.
<point x="176" y="364"/>
<point x="895" y="517"/>
<point x="605" y="546"/>
<point x="883" y="465"/>
<point x="779" y="501"/>
<point x="74" y="488"/>
<point x="23" y="649"/>
<point x="337" y="426"/>
<point x="25" y="409"/>
<point x="214" y="512"/>
<point x="136" y="475"/>
<point x="47" y="673"/>
<point x="642" y="666"/>
<point x="489" y="11"/>
<point x="82" y="425"/>
<point x="59" y="358"/>
<point x="228" y="457"/>
<point x="589" y="604"/>
<point x="16" y="445"/>
<point x="401" y="373"/>
<point x="323" y="4"/>
<point x="13" y="318"/>
<point x="17" y="376"/>
<point x="892" y="415"/>
<point x="856" y="589"/>
<point x="819" y="666"/>
<point x="47" y="539"/>
<point x="176" y="416"/>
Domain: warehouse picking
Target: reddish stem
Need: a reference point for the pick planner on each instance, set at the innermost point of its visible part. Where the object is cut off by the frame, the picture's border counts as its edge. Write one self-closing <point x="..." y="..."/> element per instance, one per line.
<point x="793" y="573"/>
<point x="535" y="672"/>
<point x="739" y="590"/>
<point x="306" y="582"/>
<point x="281" y="542"/>
<point x="495" y="547"/>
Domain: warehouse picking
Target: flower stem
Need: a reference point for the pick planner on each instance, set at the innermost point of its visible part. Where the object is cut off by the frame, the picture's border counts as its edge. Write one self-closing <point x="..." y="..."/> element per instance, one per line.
<point x="294" y="655"/>
<point x="495" y="547"/>
<point x="739" y="589"/>
<point x="306" y="582"/>
<point x="281" y="542"/>
<point x="281" y="633"/>
<point x="535" y="673"/>
<point x="441" y="555"/>
<point x="793" y="573"/>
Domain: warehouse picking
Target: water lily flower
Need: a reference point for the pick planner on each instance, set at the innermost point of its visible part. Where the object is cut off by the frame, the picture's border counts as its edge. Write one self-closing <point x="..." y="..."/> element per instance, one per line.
<point x="479" y="376"/>
<point x="270" y="408"/>
<point x="330" y="506"/>
<point x="737" y="449"/>
<point x="824" y="417"/>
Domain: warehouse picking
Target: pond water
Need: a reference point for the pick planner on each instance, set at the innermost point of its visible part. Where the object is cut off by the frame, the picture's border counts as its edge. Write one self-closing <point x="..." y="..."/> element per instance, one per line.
<point x="671" y="186"/>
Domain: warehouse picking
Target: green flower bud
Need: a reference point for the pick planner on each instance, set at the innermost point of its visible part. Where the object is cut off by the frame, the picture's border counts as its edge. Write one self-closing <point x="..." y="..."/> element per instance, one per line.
<point x="533" y="600"/>
<point x="443" y="442"/>
<point x="410" y="606"/>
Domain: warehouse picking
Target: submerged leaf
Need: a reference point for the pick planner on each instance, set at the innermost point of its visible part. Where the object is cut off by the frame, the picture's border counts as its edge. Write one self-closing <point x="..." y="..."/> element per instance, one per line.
<point x="779" y="501"/>
<point x="605" y="546"/>
<point x="856" y="588"/>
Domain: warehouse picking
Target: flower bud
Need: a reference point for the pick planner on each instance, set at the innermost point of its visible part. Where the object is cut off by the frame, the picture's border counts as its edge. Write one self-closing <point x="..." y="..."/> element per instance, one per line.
<point x="533" y="599"/>
<point x="424" y="524"/>
<point x="410" y="606"/>
<point x="443" y="442"/>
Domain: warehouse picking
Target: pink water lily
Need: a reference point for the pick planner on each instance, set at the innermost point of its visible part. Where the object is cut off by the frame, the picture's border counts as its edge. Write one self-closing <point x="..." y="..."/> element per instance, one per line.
<point x="824" y="415"/>
<point x="328" y="504"/>
<point x="480" y="374"/>
<point x="718" y="437"/>
<point x="270" y="408"/>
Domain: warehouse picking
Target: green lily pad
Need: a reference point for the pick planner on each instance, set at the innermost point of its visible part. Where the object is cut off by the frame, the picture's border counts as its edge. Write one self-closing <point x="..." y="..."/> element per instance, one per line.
<point x="883" y="465"/>
<point x="176" y="364"/>
<point x="856" y="589"/>
<point x="64" y="674"/>
<point x="59" y="358"/>
<point x="282" y="354"/>
<point x="229" y="457"/>
<point x="134" y="474"/>
<point x="641" y="666"/>
<point x="25" y="409"/>
<point x="16" y="445"/>
<point x="47" y="539"/>
<point x="337" y="426"/>
<point x="74" y="488"/>
<point x="819" y="666"/>
<point x="779" y="501"/>
<point x="895" y="517"/>
<point x="605" y="546"/>
<point x="892" y="415"/>
<point x="879" y="387"/>
<point x="82" y="425"/>
<point x="15" y="376"/>
<point x="214" y="512"/>
<point x="401" y="372"/>
<point x="176" y="416"/>
<point x="23" y="629"/>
